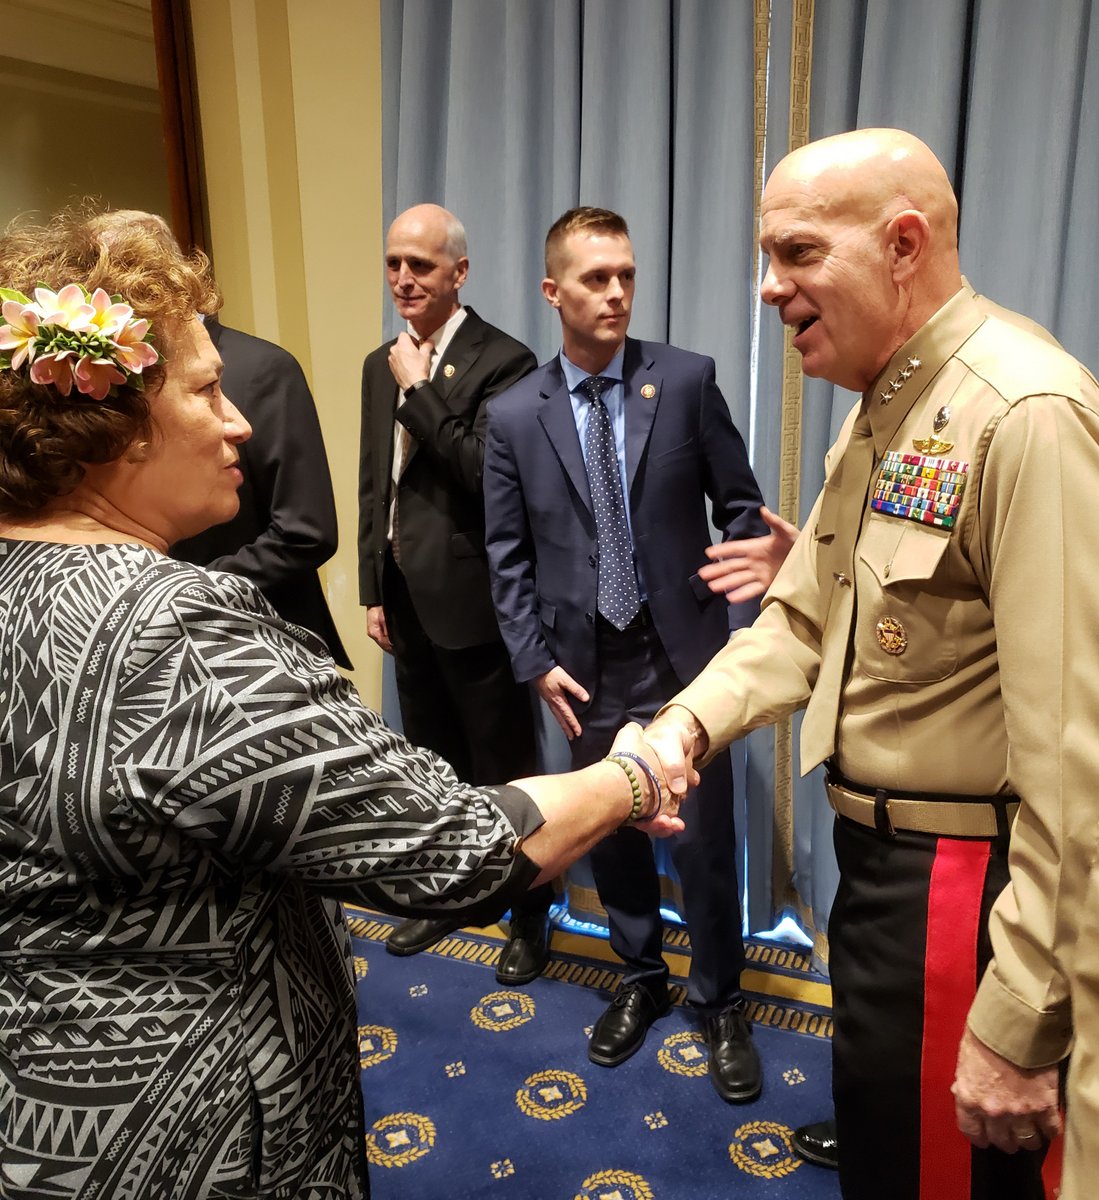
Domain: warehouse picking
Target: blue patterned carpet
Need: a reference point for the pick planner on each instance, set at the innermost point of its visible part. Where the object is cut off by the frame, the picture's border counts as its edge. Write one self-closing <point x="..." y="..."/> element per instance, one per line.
<point x="472" y="1090"/>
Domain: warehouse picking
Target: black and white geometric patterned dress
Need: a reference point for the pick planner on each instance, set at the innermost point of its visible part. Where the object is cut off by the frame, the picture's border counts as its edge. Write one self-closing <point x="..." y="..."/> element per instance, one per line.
<point x="187" y="788"/>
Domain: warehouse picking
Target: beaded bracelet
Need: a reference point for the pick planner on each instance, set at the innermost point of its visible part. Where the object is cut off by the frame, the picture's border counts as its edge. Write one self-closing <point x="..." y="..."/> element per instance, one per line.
<point x="635" y="813"/>
<point x="651" y="777"/>
<point x="635" y="786"/>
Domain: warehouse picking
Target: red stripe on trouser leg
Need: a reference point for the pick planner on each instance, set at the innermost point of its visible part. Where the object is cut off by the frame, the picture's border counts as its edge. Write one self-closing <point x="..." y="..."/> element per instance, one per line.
<point x="1051" y="1168"/>
<point x="950" y="983"/>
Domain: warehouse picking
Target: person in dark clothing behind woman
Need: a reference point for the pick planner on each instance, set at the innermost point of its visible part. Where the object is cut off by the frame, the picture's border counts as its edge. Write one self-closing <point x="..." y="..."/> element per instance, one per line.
<point x="285" y="529"/>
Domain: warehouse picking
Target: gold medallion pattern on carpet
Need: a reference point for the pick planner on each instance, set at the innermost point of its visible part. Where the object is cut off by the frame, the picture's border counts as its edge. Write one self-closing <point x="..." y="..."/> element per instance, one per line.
<point x="684" y="1053"/>
<point x="399" y="1139"/>
<point x="376" y="1044"/>
<point x="550" y="1095"/>
<point x="764" y="1149"/>
<point x="614" y="1185"/>
<point x="425" y="1104"/>
<point x="500" y="1011"/>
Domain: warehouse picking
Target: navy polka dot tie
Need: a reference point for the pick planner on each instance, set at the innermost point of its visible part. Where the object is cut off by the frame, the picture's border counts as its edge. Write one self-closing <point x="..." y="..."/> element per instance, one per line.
<point x="618" y="597"/>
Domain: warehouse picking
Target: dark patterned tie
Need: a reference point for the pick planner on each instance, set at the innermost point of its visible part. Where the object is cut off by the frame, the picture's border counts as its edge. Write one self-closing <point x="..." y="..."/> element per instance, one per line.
<point x="618" y="597"/>
<point x="402" y="451"/>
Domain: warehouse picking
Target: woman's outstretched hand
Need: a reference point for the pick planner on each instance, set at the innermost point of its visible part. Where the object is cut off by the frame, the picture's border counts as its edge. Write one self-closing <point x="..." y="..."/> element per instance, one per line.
<point x="665" y="820"/>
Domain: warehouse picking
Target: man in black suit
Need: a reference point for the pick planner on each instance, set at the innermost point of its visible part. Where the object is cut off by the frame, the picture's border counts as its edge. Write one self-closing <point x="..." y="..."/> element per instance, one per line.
<point x="423" y="576"/>
<point x="598" y="469"/>
<point x="286" y="526"/>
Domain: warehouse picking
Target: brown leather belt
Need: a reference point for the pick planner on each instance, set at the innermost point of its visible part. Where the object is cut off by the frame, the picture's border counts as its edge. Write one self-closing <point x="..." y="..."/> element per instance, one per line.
<point x="946" y="818"/>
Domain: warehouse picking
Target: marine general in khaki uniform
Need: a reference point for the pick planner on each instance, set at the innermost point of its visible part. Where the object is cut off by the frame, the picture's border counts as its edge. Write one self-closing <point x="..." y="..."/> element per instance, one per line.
<point x="935" y="620"/>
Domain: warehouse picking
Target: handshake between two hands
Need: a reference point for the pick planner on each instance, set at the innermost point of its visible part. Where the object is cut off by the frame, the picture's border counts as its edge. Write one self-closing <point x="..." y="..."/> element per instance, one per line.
<point x="669" y="747"/>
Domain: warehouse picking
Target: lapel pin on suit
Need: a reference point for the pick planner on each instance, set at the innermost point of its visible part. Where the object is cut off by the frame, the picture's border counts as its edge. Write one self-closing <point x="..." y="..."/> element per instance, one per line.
<point x="448" y="370"/>
<point x="648" y="391"/>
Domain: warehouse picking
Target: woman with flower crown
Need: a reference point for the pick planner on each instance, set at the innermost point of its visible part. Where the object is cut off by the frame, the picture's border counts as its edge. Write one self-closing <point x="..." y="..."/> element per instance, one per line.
<point x="187" y="785"/>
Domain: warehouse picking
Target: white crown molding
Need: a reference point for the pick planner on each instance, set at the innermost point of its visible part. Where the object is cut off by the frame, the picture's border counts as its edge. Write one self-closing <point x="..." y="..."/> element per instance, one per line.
<point x="131" y="18"/>
<point x="108" y="39"/>
<point x="53" y="81"/>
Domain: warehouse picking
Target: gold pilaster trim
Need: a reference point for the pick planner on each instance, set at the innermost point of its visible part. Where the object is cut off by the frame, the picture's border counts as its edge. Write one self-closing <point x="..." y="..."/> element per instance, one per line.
<point x="820" y="940"/>
<point x="801" y="69"/>
<point x="789" y="494"/>
<point x="801" y="72"/>
<point x="761" y="48"/>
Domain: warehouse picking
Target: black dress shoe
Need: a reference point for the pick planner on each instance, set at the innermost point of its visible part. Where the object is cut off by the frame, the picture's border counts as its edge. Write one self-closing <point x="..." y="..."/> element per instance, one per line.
<point x="817" y="1143"/>
<point x="734" y="1061"/>
<point x="526" y="951"/>
<point x="621" y="1029"/>
<point x="410" y="937"/>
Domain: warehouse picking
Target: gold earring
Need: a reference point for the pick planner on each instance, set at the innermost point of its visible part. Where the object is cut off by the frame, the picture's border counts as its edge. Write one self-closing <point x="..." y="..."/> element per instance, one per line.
<point x="138" y="452"/>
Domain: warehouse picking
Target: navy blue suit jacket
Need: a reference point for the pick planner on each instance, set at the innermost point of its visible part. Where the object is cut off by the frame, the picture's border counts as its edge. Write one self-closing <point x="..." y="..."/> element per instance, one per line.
<point x="682" y="449"/>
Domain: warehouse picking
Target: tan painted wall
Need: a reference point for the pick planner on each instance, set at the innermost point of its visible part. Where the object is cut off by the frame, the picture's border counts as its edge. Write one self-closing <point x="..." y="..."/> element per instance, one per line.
<point x="70" y="136"/>
<point x="290" y="112"/>
<point x="81" y="109"/>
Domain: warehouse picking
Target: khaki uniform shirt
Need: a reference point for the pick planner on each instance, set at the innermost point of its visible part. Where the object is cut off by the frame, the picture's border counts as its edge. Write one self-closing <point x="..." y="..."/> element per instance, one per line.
<point x="996" y="686"/>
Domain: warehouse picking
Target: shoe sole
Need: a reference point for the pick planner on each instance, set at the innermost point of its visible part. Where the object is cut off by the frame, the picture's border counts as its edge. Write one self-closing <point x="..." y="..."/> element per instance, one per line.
<point x="419" y="948"/>
<point x="818" y="1160"/>
<point x="738" y="1097"/>
<point x="518" y="980"/>
<point x="603" y="1060"/>
<point x="606" y="1061"/>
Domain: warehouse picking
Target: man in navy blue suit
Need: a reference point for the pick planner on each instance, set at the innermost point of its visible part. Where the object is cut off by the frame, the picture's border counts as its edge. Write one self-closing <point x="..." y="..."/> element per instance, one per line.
<point x="598" y="468"/>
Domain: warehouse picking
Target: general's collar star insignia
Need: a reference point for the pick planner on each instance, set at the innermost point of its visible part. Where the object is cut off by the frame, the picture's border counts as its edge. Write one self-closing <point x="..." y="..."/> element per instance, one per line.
<point x="903" y="376"/>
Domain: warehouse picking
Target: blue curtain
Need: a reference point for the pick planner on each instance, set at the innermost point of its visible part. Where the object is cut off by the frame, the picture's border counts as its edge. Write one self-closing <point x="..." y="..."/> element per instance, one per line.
<point x="508" y="113"/>
<point x="1029" y="171"/>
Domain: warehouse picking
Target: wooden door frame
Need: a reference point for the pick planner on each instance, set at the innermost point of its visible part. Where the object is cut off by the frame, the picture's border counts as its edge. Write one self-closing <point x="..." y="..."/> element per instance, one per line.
<point x="175" y="68"/>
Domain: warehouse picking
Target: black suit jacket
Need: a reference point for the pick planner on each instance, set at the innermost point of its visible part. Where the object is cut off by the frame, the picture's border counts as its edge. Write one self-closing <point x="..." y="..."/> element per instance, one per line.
<point x="286" y="526"/>
<point x="442" y="522"/>
<point x="683" y="456"/>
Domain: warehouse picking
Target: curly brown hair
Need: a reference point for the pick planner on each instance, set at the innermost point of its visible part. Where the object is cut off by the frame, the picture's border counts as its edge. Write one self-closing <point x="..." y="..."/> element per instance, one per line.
<point x="46" y="439"/>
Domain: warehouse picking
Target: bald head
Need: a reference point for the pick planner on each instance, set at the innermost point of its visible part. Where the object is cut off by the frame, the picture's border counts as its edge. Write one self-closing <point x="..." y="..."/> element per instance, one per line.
<point x="862" y="233"/>
<point x="434" y="221"/>
<point x="874" y="173"/>
<point x="108" y="226"/>
<point x="425" y="265"/>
